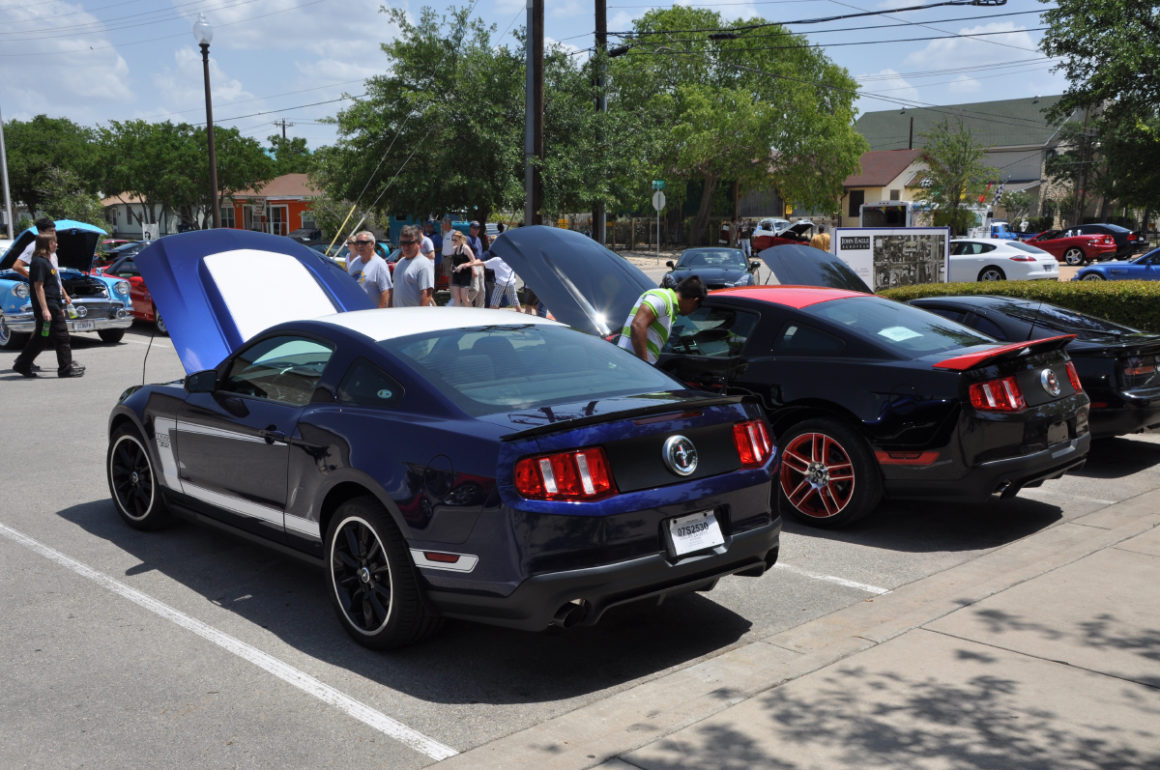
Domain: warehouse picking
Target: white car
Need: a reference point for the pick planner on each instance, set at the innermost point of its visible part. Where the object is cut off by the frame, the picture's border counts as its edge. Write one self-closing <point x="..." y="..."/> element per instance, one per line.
<point x="997" y="259"/>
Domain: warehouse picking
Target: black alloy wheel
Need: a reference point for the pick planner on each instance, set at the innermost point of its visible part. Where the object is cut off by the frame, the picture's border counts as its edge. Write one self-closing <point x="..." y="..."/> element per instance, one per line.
<point x="133" y="482"/>
<point x="828" y="475"/>
<point x="373" y="582"/>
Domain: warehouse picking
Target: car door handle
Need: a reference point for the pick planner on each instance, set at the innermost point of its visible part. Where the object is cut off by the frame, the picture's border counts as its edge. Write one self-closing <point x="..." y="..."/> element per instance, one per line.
<point x="272" y="435"/>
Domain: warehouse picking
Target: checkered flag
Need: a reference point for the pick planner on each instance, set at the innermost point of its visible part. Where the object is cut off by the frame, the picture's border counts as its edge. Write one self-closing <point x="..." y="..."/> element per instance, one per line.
<point x="998" y="194"/>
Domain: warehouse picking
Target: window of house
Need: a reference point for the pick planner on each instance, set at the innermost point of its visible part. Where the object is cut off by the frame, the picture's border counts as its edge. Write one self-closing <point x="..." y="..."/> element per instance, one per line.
<point x="896" y="195"/>
<point x="228" y="218"/>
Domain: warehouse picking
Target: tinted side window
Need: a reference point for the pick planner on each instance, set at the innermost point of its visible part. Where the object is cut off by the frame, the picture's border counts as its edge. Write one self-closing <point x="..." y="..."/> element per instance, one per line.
<point x="988" y="327"/>
<point x="368" y="385"/>
<point x="284" y="369"/>
<point x="800" y="340"/>
<point x="711" y="331"/>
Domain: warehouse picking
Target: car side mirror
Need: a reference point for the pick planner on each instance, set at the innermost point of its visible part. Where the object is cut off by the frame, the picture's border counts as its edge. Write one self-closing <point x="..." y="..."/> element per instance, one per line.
<point x="670" y="264"/>
<point x="202" y="382"/>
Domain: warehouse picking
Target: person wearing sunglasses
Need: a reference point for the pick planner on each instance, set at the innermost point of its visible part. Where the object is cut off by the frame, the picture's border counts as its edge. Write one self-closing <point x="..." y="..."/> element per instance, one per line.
<point x="414" y="274"/>
<point x="373" y="273"/>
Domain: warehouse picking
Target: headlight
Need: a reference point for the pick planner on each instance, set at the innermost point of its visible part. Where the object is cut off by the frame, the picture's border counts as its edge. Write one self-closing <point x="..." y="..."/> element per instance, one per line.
<point x="122" y="288"/>
<point x="20" y="290"/>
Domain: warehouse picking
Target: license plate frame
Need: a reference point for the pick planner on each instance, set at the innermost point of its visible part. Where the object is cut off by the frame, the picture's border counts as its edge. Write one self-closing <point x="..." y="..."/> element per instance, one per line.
<point x="1057" y="433"/>
<point x="693" y="532"/>
<point x="82" y="326"/>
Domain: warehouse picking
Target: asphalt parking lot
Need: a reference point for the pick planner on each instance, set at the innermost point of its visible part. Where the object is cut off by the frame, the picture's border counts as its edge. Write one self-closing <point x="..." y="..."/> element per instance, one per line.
<point x="127" y="649"/>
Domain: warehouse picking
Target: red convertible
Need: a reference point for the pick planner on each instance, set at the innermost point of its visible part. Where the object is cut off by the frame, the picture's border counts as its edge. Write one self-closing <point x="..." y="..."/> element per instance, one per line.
<point x="1074" y="247"/>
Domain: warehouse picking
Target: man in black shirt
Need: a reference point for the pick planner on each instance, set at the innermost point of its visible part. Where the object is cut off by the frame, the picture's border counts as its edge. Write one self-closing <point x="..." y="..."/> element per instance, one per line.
<point x="48" y="309"/>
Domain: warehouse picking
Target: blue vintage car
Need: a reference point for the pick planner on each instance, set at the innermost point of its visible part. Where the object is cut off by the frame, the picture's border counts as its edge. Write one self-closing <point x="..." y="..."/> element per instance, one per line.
<point x="1145" y="267"/>
<point x="101" y="303"/>
<point x="452" y="462"/>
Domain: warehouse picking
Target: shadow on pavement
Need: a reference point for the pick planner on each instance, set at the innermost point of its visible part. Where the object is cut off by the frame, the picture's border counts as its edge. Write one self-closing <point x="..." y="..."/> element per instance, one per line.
<point x="463" y="663"/>
<point x="925" y="526"/>
<point x="1113" y="458"/>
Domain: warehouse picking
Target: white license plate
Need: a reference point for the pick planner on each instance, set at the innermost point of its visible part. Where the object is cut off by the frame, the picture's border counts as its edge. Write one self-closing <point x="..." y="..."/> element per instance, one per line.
<point x="695" y="532"/>
<point x="82" y="326"/>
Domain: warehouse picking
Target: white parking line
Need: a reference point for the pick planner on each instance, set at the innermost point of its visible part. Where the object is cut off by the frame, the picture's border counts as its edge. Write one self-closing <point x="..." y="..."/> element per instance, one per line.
<point x="833" y="579"/>
<point x="287" y="673"/>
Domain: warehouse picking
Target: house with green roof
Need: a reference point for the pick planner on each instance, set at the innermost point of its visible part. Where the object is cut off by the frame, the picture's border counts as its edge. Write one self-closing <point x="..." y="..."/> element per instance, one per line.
<point x="1014" y="132"/>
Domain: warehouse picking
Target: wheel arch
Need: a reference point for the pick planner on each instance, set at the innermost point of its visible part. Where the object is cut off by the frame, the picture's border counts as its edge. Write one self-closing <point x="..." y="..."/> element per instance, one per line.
<point x="783" y="419"/>
<point x="345" y="491"/>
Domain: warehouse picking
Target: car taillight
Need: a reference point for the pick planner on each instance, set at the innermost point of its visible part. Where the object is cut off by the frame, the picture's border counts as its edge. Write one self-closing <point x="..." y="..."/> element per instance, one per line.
<point x="753" y="444"/>
<point x="1028" y="258"/>
<point x="580" y="474"/>
<point x="1001" y="395"/>
<point x="1073" y="376"/>
<point x="1133" y="237"/>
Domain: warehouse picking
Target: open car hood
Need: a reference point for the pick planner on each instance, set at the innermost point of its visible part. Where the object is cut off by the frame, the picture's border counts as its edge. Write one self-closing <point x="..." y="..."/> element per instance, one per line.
<point x="218" y="288"/>
<point x="582" y="283"/>
<point x="800" y="265"/>
<point x="76" y="245"/>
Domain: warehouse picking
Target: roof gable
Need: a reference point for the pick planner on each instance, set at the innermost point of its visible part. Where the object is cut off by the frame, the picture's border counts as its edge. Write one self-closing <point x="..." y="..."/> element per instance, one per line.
<point x="881" y="167"/>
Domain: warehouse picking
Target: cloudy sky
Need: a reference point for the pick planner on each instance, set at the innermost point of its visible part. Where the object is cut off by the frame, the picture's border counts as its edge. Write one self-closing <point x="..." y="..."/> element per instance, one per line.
<point x="297" y="60"/>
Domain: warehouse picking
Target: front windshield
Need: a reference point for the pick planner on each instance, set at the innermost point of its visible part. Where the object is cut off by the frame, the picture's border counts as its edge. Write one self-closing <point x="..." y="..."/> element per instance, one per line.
<point x="717" y="258"/>
<point x="904" y="329"/>
<point x="489" y="369"/>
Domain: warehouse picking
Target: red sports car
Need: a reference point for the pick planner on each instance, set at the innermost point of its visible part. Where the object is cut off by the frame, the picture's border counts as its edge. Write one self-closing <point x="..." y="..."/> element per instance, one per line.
<point x="1074" y="247"/>
<point x="143" y="308"/>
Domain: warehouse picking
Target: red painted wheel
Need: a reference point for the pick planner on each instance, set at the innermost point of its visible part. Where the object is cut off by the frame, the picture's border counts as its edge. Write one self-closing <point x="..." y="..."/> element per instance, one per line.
<point x="828" y="476"/>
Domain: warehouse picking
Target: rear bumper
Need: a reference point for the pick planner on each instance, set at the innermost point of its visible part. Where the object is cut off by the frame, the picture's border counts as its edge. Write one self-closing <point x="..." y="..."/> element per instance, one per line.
<point x="582" y="596"/>
<point x="1117" y="421"/>
<point x="1003" y="477"/>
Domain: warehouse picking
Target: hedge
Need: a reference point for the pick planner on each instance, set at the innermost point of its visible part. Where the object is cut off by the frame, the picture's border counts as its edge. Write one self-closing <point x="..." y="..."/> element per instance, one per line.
<point x="1132" y="303"/>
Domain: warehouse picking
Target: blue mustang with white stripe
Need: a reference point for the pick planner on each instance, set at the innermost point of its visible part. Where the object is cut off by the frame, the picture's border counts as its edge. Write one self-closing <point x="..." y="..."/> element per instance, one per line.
<point x="446" y="462"/>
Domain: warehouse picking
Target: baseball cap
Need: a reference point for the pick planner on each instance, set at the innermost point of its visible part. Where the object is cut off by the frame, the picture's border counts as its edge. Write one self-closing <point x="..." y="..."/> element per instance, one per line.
<point x="474" y="223"/>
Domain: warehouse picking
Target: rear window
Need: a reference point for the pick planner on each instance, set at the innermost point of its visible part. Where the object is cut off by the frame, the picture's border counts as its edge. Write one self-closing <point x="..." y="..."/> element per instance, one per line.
<point x="903" y="329"/>
<point x="491" y="369"/>
<point x="1068" y="321"/>
<point x="1027" y="247"/>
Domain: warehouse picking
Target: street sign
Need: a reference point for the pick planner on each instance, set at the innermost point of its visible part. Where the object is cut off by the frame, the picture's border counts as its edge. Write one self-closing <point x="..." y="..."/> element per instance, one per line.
<point x="658" y="200"/>
<point x="658" y="184"/>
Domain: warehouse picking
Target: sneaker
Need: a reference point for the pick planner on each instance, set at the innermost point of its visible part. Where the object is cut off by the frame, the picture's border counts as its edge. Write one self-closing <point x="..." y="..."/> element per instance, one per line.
<point x="26" y="371"/>
<point x="34" y="368"/>
<point x="74" y="370"/>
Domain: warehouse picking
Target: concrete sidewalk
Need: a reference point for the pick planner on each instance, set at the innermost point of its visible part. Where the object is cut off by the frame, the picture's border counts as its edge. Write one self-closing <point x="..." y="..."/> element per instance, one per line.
<point x="1043" y="654"/>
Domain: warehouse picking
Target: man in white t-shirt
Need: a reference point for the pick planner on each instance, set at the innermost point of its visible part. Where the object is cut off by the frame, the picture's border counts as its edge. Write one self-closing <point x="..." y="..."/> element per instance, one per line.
<point x="44" y="226"/>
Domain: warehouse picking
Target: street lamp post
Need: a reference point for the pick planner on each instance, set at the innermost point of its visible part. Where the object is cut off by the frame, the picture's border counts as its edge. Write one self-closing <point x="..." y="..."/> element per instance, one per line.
<point x="203" y="33"/>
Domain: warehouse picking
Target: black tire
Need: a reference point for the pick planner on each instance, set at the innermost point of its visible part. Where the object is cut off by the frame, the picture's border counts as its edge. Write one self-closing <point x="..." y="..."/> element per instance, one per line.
<point x="133" y="481"/>
<point x="373" y="582"/>
<point x="991" y="273"/>
<point x="828" y="476"/>
<point x="111" y="336"/>
<point x="159" y="322"/>
<point x="1093" y="277"/>
<point x="6" y="335"/>
<point x="1074" y="256"/>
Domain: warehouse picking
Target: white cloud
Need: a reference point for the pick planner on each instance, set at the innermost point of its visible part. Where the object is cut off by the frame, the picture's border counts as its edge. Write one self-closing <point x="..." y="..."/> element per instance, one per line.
<point x="889" y="84"/>
<point x="59" y="68"/>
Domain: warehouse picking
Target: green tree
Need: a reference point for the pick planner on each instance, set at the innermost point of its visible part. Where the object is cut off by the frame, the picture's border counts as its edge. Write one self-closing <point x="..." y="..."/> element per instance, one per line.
<point x="37" y="146"/>
<point x="1110" y="51"/>
<point x="955" y="173"/>
<point x="63" y="194"/>
<point x="759" y="108"/>
<point x="1017" y="204"/>
<point x="291" y="156"/>
<point x="442" y="131"/>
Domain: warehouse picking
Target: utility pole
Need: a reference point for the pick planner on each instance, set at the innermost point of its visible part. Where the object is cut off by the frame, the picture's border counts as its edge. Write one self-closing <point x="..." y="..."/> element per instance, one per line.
<point x="4" y="174"/>
<point x="534" y="114"/>
<point x="599" y="215"/>
<point x="283" y="124"/>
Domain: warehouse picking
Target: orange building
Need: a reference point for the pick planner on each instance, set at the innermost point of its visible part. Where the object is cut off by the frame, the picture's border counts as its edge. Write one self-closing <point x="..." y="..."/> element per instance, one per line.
<point x="279" y="206"/>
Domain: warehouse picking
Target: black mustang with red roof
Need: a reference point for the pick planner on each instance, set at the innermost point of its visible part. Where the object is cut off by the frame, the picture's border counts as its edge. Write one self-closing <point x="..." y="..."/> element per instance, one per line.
<point x="869" y="399"/>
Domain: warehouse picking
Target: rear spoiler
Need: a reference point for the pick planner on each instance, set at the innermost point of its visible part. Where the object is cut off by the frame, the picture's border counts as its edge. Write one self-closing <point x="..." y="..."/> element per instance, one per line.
<point x="644" y="411"/>
<point x="1013" y="350"/>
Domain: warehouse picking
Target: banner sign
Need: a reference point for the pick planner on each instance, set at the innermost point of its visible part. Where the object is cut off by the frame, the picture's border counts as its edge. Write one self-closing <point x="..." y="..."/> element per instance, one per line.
<point x="900" y="256"/>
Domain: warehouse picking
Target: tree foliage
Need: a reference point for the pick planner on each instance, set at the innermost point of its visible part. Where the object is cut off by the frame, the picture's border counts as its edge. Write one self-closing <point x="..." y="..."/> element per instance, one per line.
<point x="737" y="108"/>
<point x="290" y="155"/>
<point x="37" y="147"/>
<point x="64" y="195"/>
<point x="955" y="173"/>
<point x="166" y="166"/>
